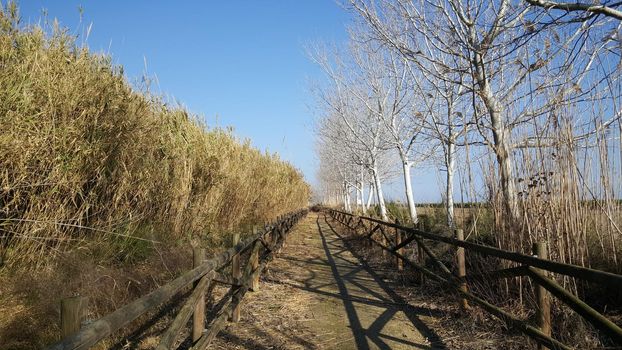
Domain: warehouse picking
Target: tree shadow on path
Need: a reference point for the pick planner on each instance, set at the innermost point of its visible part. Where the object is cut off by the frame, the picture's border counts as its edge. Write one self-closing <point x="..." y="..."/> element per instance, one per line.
<point x="380" y="295"/>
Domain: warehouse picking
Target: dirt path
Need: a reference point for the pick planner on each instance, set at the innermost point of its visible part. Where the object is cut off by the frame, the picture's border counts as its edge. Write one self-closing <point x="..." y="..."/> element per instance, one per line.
<point x="317" y="295"/>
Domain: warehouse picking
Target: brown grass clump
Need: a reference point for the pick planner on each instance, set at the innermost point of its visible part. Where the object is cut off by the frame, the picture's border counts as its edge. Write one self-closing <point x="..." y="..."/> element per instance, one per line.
<point x="101" y="184"/>
<point x="29" y="301"/>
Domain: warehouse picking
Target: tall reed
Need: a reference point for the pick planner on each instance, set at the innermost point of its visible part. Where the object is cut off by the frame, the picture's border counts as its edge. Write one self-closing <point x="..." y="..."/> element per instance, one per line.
<point x="85" y="157"/>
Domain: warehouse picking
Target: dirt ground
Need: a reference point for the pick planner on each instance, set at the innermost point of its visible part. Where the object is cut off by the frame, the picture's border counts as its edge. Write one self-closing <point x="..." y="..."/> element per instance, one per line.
<point x="317" y="294"/>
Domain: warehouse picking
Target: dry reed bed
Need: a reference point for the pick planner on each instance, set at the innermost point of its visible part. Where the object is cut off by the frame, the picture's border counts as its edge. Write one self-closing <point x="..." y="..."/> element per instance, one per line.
<point x="84" y="157"/>
<point x="101" y="183"/>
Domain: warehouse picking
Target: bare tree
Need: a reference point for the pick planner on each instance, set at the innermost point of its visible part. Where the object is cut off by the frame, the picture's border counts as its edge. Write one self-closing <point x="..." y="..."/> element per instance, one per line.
<point x="352" y="102"/>
<point x="541" y="85"/>
<point x="353" y="131"/>
<point x="484" y="47"/>
<point x="446" y="123"/>
<point x="377" y="80"/>
<point x="588" y="10"/>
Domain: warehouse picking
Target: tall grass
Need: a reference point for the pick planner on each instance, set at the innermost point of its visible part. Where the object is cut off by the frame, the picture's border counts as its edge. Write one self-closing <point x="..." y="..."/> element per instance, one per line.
<point x="85" y="157"/>
<point x="103" y="187"/>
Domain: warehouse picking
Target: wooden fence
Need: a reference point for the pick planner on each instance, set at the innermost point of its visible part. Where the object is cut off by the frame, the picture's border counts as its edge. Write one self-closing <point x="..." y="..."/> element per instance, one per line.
<point x="258" y="250"/>
<point x="534" y="266"/>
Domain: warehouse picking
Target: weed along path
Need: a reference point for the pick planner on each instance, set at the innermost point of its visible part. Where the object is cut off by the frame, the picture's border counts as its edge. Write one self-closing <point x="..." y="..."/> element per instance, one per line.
<point x="317" y="295"/>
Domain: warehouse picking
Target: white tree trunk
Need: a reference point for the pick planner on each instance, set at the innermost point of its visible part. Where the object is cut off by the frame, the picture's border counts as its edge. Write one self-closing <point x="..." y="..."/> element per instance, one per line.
<point x="501" y="140"/>
<point x="362" y="188"/>
<point x="363" y="208"/>
<point x="370" y="196"/>
<point x="346" y="199"/>
<point x="359" y="195"/>
<point x="379" y="195"/>
<point x="506" y="173"/>
<point x="507" y="185"/>
<point x="412" y="210"/>
<point x="449" y="190"/>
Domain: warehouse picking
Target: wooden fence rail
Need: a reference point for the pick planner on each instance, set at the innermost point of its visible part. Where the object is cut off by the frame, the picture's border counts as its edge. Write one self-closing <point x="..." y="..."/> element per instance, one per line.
<point x="262" y="246"/>
<point x="535" y="267"/>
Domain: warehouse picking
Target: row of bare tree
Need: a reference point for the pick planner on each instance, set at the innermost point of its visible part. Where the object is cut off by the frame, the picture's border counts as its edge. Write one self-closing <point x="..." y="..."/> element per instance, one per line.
<point x="517" y="100"/>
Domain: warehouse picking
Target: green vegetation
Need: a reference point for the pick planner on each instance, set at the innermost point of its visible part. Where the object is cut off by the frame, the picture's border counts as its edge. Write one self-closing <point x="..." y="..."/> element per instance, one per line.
<point x="92" y="169"/>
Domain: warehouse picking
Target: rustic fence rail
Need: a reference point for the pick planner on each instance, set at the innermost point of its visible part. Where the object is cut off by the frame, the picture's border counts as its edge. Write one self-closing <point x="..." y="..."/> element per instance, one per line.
<point x="260" y="248"/>
<point x="534" y="266"/>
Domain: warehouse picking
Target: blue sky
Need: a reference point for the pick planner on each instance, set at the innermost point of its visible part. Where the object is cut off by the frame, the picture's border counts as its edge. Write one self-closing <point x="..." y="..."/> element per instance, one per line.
<point x="235" y="63"/>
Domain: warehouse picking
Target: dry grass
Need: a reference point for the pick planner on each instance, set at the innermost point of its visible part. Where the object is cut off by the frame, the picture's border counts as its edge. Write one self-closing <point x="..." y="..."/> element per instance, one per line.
<point x="274" y="318"/>
<point x="103" y="188"/>
<point x="29" y="301"/>
<point x="85" y="157"/>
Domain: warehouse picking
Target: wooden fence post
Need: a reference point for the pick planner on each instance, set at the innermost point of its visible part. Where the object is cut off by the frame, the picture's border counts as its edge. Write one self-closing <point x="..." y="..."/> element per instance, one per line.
<point x="285" y="227"/>
<point x="254" y="261"/>
<point x="370" y="243"/>
<point x="275" y="236"/>
<point x="421" y="257"/>
<point x="236" y="274"/>
<point x="398" y="240"/>
<point x="267" y="235"/>
<point x="383" y="241"/>
<point x="461" y="260"/>
<point x="72" y="312"/>
<point x="280" y="237"/>
<point x="542" y="296"/>
<point x="198" y="316"/>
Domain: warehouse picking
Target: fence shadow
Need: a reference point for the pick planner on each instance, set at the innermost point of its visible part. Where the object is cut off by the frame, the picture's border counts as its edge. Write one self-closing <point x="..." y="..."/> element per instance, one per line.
<point x="334" y="247"/>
